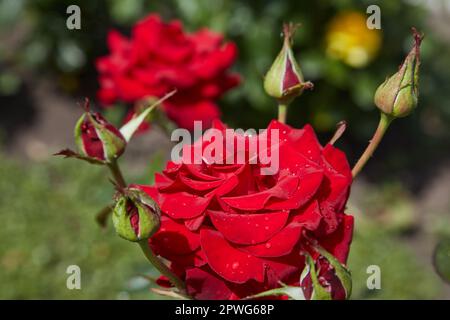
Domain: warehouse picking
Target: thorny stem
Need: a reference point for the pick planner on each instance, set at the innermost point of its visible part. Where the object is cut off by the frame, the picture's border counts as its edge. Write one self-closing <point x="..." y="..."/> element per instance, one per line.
<point x="383" y="125"/>
<point x="160" y="266"/>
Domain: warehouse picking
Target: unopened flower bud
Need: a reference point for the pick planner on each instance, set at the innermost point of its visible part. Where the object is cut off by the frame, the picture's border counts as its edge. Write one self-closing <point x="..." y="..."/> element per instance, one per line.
<point x="136" y="216"/>
<point x="397" y="96"/>
<point x="284" y="80"/>
<point x="325" y="278"/>
<point x="97" y="138"/>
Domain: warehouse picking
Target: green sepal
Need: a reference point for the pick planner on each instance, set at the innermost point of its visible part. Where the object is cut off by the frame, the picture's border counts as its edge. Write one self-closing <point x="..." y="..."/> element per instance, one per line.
<point x="294" y="293"/>
<point x="67" y="153"/>
<point x="318" y="292"/>
<point x="121" y="221"/>
<point x="340" y="270"/>
<point x="113" y="144"/>
<point x="77" y="134"/>
<point x="147" y="210"/>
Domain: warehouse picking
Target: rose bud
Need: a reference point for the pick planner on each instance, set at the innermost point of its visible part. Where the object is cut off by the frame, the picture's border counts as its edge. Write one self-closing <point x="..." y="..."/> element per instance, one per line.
<point x="97" y="138"/>
<point x="330" y="280"/>
<point x="397" y="96"/>
<point x="284" y="80"/>
<point x="136" y="216"/>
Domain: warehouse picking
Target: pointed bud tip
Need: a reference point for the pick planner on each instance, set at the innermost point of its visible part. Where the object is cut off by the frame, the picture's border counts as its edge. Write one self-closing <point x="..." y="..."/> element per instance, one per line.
<point x="418" y="37"/>
<point x="85" y="105"/>
<point x="289" y="30"/>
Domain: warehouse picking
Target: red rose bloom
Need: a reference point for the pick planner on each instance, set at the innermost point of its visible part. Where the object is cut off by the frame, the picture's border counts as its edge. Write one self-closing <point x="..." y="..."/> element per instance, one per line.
<point x="231" y="232"/>
<point x="160" y="57"/>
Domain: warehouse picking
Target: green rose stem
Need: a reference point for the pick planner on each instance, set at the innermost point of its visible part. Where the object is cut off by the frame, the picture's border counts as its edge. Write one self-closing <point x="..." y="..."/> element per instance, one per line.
<point x="103" y="214"/>
<point x="284" y="80"/>
<point x="160" y="266"/>
<point x="282" y="111"/>
<point x="117" y="174"/>
<point x="383" y="125"/>
<point x="149" y="254"/>
<point x="396" y="97"/>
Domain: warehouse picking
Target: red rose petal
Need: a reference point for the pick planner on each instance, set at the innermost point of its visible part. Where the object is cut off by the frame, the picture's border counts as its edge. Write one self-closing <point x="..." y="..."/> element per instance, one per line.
<point x="256" y="201"/>
<point x="174" y="238"/>
<point x="194" y="223"/>
<point x="183" y="205"/>
<point x="203" y="285"/>
<point x="150" y="190"/>
<point x="196" y="171"/>
<point x="308" y="217"/>
<point x="225" y="188"/>
<point x="282" y="269"/>
<point x="172" y="169"/>
<point x="204" y="111"/>
<point x="332" y="196"/>
<point x="163" y="182"/>
<point x="195" y="259"/>
<point x="338" y="243"/>
<point x="199" y="185"/>
<point x="307" y="143"/>
<point x="280" y="244"/>
<point x="306" y="189"/>
<point x="248" y="228"/>
<point x="337" y="159"/>
<point x="228" y="262"/>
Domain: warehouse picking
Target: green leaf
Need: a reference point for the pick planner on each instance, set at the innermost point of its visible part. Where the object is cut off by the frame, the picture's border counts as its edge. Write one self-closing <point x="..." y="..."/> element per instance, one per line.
<point x="129" y="129"/>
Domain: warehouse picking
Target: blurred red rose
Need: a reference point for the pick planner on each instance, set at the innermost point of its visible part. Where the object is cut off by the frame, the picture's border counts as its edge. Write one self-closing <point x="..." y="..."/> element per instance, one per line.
<point x="160" y="57"/>
<point x="230" y="232"/>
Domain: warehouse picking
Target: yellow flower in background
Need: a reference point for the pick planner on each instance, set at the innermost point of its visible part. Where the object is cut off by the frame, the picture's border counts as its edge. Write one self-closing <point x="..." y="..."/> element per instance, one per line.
<point x="348" y="39"/>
